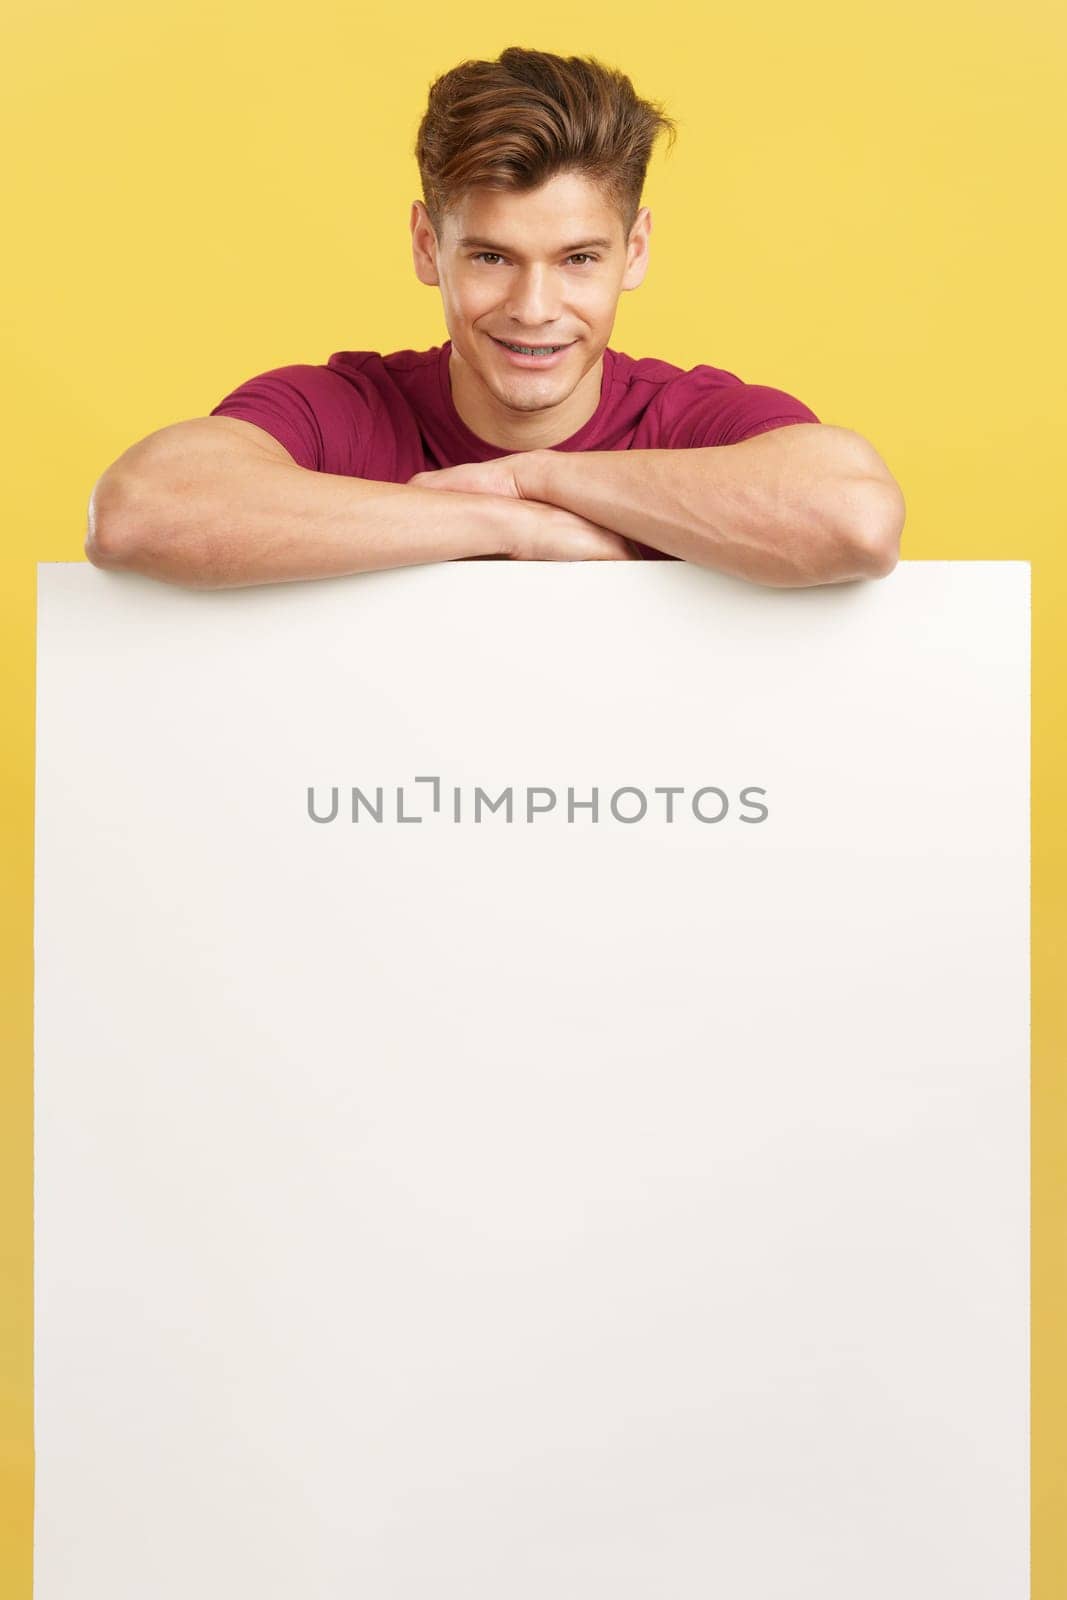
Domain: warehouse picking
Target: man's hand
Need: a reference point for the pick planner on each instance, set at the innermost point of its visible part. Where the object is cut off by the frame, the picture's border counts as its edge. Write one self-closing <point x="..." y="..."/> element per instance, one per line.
<point x="476" y="477"/>
<point x="536" y="530"/>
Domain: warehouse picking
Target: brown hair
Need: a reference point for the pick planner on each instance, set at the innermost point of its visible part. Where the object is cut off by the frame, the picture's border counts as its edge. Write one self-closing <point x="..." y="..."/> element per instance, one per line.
<point x="515" y="122"/>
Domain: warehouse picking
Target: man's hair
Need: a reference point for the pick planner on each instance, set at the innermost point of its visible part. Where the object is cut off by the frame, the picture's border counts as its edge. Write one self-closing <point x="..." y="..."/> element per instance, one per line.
<point x="515" y="122"/>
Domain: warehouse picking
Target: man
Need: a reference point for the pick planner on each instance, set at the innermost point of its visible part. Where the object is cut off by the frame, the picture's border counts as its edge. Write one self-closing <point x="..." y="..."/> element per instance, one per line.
<point x="523" y="436"/>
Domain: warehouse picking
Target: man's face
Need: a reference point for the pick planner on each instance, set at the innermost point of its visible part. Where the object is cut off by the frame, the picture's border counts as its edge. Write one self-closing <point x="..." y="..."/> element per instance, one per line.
<point x="544" y="267"/>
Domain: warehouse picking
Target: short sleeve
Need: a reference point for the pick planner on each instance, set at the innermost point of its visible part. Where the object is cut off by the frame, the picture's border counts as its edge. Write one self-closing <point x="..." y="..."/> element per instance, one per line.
<point x="319" y="417"/>
<point x="705" y="406"/>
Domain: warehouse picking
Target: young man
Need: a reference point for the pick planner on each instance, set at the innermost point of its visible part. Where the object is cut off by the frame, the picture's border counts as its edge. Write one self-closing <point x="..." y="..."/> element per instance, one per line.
<point x="524" y="435"/>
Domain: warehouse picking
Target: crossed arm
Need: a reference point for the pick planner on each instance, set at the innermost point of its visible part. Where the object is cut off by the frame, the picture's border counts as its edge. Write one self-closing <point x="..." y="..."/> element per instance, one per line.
<point x="806" y="503"/>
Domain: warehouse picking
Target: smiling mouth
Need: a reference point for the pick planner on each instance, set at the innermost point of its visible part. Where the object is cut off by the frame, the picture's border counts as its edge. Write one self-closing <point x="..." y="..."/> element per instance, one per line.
<point x="531" y="349"/>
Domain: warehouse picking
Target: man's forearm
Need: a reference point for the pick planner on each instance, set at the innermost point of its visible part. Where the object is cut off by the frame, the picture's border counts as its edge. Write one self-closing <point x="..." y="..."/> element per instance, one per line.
<point x="802" y="504"/>
<point x="191" y="508"/>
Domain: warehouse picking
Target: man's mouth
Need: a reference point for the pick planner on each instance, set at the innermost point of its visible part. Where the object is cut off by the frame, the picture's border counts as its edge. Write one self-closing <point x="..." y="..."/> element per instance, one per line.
<point x="533" y="357"/>
<point x="529" y="349"/>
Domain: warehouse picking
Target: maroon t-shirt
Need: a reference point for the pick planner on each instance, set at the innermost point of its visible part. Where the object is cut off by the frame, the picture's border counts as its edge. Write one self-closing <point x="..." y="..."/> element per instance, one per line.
<point x="366" y="415"/>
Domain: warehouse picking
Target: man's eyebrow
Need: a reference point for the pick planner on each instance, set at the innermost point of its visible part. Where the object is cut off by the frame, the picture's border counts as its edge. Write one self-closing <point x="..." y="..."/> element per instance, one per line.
<point x="502" y="249"/>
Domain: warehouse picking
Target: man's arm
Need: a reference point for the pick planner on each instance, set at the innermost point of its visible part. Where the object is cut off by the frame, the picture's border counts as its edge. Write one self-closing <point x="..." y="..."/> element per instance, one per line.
<point x="216" y="502"/>
<point x="803" y="504"/>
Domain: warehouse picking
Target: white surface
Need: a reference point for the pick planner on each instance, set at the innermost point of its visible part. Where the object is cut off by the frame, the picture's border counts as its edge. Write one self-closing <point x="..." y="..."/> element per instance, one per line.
<point x="548" y="1211"/>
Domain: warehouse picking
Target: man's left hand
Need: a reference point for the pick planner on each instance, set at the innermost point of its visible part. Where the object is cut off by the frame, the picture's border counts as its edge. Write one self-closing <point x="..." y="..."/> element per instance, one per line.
<point x="502" y="476"/>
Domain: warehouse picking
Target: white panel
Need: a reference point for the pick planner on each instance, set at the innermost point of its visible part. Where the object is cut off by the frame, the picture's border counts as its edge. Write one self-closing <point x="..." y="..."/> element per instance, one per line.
<point x="544" y="1210"/>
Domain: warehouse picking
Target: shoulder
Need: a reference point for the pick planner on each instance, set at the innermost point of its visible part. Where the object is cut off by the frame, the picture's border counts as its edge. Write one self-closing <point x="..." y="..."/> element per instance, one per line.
<point x="707" y="405"/>
<point x="325" y="414"/>
<point x="371" y="369"/>
<point x="306" y="407"/>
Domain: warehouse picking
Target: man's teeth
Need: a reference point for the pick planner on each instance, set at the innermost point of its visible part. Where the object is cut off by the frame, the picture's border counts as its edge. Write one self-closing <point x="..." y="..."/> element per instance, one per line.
<point x="533" y="349"/>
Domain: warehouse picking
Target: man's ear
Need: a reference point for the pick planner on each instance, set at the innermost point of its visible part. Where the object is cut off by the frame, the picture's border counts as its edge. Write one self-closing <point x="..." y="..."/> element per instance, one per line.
<point x="423" y="244"/>
<point x="637" y="250"/>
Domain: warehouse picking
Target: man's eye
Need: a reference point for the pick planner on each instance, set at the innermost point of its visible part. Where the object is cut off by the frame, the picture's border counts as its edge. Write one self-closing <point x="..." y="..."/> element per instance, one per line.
<point x="484" y="255"/>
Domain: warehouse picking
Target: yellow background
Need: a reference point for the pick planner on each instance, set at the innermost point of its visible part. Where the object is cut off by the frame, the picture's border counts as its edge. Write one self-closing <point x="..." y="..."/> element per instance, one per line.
<point x="863" y="207"/>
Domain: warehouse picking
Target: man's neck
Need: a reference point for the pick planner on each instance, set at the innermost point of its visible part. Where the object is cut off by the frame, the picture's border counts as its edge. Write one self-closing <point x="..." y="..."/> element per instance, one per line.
<point x="508" y="429"/>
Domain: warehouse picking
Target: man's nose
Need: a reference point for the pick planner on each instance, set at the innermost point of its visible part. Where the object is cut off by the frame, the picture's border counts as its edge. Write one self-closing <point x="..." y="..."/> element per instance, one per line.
<point x="534" y="298"/>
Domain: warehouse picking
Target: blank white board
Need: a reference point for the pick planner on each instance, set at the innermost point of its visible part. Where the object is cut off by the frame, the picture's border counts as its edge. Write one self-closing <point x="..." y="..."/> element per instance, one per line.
<point x="554" y="1208"/>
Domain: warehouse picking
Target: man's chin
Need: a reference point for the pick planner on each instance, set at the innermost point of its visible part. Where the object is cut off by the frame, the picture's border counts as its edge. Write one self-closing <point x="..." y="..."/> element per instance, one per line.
<point x="527" y="391"/>
<point x="535" y="396"/>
